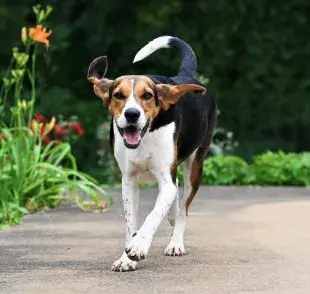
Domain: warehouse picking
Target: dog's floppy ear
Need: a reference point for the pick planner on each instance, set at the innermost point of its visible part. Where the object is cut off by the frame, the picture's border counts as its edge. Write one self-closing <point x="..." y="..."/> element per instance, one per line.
<point x="96" y="75"/>
<point x="169" y="95"/>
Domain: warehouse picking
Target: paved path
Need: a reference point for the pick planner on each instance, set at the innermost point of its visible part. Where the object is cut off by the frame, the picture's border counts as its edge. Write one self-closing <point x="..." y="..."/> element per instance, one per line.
<point x="240" y="240"/>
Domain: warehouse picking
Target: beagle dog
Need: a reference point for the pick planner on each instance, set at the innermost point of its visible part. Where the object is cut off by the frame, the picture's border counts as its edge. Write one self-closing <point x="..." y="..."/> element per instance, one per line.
<point x="157" y="123"/>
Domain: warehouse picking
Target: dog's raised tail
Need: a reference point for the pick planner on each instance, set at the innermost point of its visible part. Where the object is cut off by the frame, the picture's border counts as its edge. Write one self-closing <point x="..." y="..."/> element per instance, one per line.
<point x="189" y="61"/>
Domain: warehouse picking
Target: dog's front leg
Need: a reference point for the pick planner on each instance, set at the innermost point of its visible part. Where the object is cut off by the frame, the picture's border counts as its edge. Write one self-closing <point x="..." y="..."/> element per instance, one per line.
<point x="130" y="197"/>
<point x="138" y="247"/>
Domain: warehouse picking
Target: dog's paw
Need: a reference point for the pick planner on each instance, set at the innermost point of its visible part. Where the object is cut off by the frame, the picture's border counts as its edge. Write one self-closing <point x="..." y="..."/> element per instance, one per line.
<point x="175" y="249"/>
<point x="137" y="248"/>
<point x="124" y="265"/>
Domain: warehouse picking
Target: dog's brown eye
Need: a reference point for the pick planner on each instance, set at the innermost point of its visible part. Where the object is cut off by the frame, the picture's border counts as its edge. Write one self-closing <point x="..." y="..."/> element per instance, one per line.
<point x="119" y="95"/>
<point x="147" y="96"/>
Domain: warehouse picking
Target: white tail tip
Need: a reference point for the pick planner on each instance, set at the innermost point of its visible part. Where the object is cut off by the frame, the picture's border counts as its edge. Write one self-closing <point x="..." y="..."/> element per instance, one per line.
<point x="160" y="42"/>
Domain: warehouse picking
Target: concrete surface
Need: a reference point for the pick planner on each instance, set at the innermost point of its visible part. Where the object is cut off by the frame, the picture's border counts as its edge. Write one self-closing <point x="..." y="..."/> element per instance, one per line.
<point x="240" y="240"/>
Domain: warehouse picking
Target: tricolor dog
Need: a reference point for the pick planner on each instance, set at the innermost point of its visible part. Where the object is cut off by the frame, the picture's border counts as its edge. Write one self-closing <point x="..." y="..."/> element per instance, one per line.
<point x="157" y="123"/>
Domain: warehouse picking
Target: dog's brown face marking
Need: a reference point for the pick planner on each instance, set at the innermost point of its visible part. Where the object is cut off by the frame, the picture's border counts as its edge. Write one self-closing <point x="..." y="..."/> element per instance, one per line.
<point x="119" y="93"/>
<point x="139" y="88"/>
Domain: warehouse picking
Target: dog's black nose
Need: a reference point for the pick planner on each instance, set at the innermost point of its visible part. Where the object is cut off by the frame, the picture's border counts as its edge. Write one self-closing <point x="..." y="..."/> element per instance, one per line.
<point x="132" y="114"/>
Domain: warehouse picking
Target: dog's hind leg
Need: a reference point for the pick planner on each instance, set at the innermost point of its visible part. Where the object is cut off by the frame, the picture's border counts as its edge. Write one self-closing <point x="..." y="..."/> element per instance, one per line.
<point x="193" y="169"/>
<point x="176" y="245"/>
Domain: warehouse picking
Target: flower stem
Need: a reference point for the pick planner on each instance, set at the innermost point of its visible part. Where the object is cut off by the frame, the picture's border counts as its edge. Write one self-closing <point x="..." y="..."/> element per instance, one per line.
<point x="8" y="70"/>
<point x="33" y="84"/>
<point x="5" y="89"/>
<point x="4" y="95"/>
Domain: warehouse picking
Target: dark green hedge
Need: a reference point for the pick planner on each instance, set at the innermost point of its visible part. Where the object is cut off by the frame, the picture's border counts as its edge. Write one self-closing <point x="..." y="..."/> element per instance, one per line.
<point x="255" y="53"/>
<point x="267" y="169"/>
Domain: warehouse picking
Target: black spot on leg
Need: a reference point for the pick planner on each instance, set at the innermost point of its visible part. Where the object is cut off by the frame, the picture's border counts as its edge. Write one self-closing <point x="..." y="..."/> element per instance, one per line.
<point x="134" y="234"/>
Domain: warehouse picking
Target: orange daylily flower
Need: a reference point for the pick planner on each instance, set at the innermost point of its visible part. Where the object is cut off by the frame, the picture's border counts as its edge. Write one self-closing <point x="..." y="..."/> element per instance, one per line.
<point x="39" y="34"/>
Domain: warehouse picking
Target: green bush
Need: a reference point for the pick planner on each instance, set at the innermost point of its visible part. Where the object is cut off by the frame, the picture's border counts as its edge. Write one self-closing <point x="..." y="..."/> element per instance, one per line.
<point x="281" y="169"/>
<point x="268" y="169"/>
<point x="221" y="170"/>
<point x="224" y="170"/>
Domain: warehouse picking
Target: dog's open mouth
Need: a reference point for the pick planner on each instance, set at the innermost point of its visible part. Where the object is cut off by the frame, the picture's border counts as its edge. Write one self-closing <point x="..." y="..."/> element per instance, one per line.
<point x="132" y="135"/>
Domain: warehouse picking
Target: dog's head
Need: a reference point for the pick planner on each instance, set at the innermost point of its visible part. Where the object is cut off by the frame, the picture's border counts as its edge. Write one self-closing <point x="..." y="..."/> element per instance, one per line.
<point x="134" y="101"/>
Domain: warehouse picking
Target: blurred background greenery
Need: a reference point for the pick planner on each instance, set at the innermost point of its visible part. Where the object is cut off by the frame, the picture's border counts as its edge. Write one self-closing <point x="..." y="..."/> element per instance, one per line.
<point x="255" y="55"/>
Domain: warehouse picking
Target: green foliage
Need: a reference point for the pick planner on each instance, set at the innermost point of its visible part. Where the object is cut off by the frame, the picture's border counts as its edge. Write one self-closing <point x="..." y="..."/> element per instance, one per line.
<point x="268" y="169"/>
<point x="255" y="53"/>
<point x="281" y="169"/>
<point x="109" y="171"/>
<point x="220" y="170"/>
<point x="33" y="176"/>
<point x="224" y="170"/>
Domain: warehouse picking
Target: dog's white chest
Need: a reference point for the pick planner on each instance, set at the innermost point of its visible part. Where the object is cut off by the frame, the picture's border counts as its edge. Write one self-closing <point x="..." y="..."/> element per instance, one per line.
<point x="156" y="149"/>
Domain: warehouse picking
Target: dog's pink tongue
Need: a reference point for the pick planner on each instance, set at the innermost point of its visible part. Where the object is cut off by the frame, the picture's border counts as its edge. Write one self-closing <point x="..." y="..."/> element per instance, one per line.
<point x="132" y="137"/>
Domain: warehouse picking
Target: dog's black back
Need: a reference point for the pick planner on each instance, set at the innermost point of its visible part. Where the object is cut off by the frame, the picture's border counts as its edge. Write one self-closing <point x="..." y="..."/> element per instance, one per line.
<point x="194" y="116"/>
